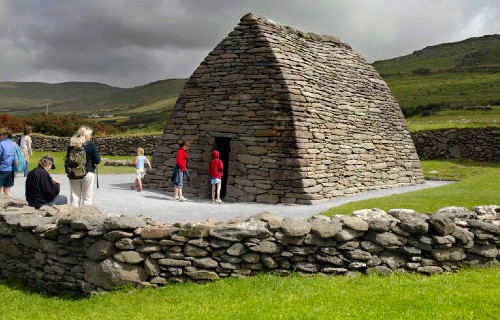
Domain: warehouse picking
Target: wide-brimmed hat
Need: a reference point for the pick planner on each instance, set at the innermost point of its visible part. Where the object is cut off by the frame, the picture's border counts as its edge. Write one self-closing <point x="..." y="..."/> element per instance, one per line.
<point x="51" y="159"/>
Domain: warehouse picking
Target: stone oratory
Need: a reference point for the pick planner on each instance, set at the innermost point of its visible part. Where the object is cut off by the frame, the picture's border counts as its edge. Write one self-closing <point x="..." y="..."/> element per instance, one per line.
<point x="297" y="118"/>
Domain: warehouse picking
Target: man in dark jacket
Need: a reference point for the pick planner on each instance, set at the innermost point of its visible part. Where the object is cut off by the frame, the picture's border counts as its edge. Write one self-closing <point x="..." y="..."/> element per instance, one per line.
<point x="41" y="189"/>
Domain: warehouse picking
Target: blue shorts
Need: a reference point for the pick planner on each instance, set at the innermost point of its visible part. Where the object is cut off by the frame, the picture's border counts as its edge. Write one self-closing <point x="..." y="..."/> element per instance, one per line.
<point x="6" y="179"/>
<point x="179" y="180"/>
<point x="215" y="181"/>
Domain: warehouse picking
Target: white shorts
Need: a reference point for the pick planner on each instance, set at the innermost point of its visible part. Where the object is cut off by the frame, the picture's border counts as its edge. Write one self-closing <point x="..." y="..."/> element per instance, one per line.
<point x="139" y="173"/>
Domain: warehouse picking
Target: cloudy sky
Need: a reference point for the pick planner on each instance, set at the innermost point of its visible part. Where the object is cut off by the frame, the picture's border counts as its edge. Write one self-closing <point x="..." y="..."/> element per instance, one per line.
<point x="128" y="43"/>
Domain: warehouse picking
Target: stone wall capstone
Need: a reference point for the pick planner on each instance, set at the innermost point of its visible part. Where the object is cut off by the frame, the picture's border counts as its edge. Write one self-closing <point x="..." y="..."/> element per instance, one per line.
<point x="60" y="249"/>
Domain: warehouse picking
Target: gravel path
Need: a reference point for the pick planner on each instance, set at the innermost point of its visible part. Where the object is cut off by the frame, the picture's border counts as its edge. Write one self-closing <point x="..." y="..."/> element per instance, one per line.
<point x="114" y="196"/>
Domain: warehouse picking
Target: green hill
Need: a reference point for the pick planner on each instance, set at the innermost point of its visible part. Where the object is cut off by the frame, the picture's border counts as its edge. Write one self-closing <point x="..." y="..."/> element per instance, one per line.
<point x="19" y="98"/>
<point x="458" y="81"/>
<point x="457" y="74"/>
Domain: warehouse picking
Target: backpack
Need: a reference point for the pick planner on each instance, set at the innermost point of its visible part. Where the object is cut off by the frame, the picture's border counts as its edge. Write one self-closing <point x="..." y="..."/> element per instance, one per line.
<point x="74" y="163"/>
<point x="19" y="163"/>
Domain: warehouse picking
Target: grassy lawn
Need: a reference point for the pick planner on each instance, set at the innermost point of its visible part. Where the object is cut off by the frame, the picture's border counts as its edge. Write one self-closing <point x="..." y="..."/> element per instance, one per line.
<point x="455" y="119"/>
<point x="469" y="294"/>
<point x="479" y="185"/>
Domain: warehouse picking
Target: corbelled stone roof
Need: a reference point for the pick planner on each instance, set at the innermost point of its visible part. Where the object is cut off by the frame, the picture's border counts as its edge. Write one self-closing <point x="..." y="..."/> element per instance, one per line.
<point x="308" y="119"/>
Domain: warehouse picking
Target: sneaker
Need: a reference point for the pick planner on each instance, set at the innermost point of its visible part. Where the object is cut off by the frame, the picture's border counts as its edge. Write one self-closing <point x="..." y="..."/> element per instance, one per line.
<point x="183" y="199"/>
<point x="132" y="187"/>
<point x="218" y="201"/>
<point x="139" y="189"/>
<point x="176" y="198"/>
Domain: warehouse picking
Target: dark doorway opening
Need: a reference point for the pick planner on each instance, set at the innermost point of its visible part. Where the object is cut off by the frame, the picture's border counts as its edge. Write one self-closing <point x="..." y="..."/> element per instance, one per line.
<point x="222" y="145"/>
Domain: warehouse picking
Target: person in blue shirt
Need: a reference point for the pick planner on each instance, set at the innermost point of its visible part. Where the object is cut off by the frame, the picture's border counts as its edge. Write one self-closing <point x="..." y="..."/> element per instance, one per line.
<point x="6" y="161"/>
<point x="140" y="160"/>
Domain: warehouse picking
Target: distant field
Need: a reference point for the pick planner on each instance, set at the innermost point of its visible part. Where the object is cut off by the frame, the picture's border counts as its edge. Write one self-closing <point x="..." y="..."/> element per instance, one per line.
<point x="450" y="88"/>
<point x="456" y="119"/>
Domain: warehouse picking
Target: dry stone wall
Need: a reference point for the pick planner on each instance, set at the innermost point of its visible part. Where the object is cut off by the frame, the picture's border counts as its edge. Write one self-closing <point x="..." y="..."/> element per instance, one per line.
<point x="482" y="144"/>
<point x="60" y="249"/>
<point x="113" y="146"/>
<point x="477" y="144"/>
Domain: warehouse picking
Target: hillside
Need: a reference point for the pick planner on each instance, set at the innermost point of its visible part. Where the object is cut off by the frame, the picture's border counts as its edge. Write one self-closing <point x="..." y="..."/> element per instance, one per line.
<point x="18" y="98"/>
<point x="457" y="74"/>
<point x="442" y="80"/>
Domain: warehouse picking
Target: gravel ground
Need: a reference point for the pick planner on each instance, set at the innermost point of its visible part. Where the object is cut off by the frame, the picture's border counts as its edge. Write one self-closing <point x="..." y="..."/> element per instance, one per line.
<point x="115" y="196"/>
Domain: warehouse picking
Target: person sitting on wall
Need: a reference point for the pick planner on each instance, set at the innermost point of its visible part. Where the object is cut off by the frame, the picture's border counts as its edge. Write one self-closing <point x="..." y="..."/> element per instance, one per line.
<point x="41" y="189"/>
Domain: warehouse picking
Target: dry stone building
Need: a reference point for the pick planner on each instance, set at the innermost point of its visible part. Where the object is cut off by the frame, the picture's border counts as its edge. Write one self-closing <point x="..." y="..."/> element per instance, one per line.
<point x="297" y="117"/>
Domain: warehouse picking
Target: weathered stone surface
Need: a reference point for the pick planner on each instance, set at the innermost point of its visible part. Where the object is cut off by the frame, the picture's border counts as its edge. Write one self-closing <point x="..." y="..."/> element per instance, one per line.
<point x="158" y="233"/>
<point x="131" y="257"/>
<point x="354" y="223"/>
<point x="266" y="247"/>
<point x="295" y="227"/>
<point x="126" y="223"/>
<point x="202" y="275"/>
<point x="415" y="226"/>
<point x="442" y="226"/>
<point x="486" y="226"/>
<point x="386" y="239"/>
<point x="101" y="250"/>
<point x="240" y="231"/>
<point x="449" y="254"/>
<point x="110" y="274"/>
<point x="486" y="250"/>
<point x="430" y="269"/>
<point x="347" y="234"/>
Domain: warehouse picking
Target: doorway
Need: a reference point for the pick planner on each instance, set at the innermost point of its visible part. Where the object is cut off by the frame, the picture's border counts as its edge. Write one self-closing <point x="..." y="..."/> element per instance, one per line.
<point x="222" y="145"/>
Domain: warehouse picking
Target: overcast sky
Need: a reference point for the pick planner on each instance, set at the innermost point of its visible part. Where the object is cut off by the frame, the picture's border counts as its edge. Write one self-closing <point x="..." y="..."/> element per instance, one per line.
<point x="128" y="43"/>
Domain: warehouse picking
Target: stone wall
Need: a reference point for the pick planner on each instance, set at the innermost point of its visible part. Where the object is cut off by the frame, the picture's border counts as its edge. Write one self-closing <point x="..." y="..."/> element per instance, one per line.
<point x="481" y="144"/>
<point x="113" y="146"/>
<point x="60" y="249"/>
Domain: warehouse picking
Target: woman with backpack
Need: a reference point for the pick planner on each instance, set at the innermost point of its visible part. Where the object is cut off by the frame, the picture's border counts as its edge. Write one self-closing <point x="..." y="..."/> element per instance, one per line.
<point x="80" y="164"/>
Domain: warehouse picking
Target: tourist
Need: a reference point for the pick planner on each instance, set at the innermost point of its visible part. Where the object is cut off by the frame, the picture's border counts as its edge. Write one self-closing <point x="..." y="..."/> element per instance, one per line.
<point x="6" y="161"/>
<point x="215" y="169"/>
<point x="82" y="189"/>
<point x="180" y="170"/>
<point x="25" y="145"/>
<point x="139" y="161"/>
<point x="41" y="189"/>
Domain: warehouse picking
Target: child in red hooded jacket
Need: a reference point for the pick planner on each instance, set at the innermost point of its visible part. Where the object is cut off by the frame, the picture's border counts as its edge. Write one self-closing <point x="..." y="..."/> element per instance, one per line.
<point x="215" y="168"/>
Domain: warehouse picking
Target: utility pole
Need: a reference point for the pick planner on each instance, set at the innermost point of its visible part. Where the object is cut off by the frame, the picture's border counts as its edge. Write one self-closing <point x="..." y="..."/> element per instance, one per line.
<point x="47" y="106"/>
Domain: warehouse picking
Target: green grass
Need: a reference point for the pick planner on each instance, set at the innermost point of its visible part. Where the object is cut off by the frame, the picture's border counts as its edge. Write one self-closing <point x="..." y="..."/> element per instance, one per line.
<point x="456" y="119"/>
<point x="446" y="88"/>
<point x="59" y="158"/>
<point x="479" y="185"/>
<point x="469" y="294"/>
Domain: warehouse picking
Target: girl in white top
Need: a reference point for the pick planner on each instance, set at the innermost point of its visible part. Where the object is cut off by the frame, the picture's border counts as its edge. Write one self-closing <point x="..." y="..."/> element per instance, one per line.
<point x="25" y="145"/>
<point x="140" y="160"/>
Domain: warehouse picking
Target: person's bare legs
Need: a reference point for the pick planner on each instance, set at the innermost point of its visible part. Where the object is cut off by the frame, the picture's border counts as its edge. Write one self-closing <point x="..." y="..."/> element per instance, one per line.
<point x="218" y="191"/>
<point x="176" y="193"/>
<point x="213" y="193"/>
<point x="6" y="192"/>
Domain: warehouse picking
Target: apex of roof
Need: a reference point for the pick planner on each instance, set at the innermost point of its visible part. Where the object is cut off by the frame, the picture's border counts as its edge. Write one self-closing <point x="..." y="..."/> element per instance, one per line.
<point x="250" y="17"/>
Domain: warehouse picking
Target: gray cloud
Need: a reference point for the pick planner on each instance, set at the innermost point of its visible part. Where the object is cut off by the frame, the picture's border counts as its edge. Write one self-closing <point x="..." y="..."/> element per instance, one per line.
<point x="129" y="43"/>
